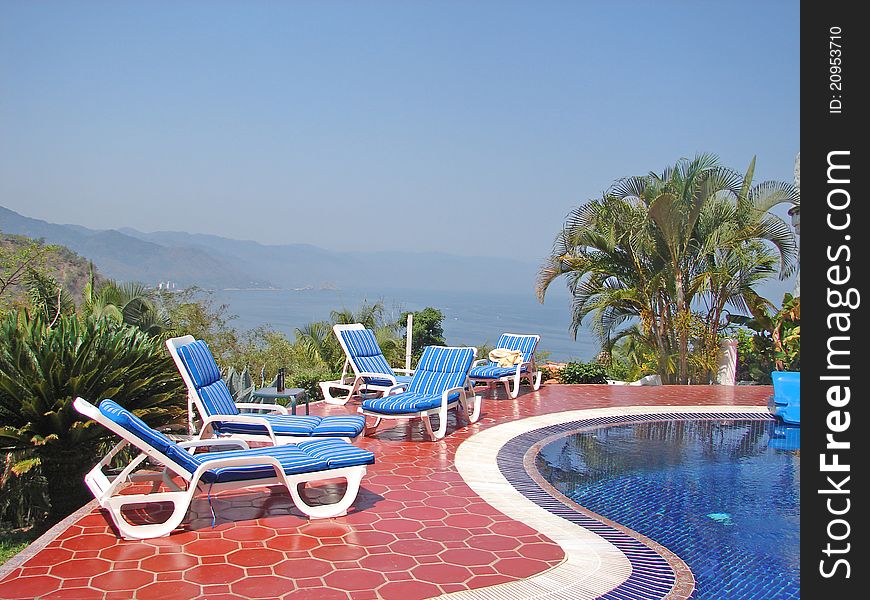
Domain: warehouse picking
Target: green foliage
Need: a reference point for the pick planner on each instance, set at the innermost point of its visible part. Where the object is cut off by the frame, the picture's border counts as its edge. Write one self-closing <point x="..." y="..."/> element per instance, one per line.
<point x="660" y="256"/>
<point x="44" y="368"/>
<point x="23" y="498"/>
<point x="240" y="384"/>
<point x="21" y="256"/>
<point x="308" y="378"/>
<point x="427" y="330"/>
<point x="194" y="312"/>
<point x="583" y="372"/>
<point x="14" y="541"/>
<point x="775" y="343"/>
<point x="18" y="256"/>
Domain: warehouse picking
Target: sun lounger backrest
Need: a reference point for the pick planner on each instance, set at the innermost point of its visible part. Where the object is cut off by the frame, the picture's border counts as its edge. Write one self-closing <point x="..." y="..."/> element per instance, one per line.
<point x="524" y="343"/>
<point x="365" y="352"/>
<point x="206" y="376"/>
<point x="441" y="368"/>
<point x="124" y="418"/>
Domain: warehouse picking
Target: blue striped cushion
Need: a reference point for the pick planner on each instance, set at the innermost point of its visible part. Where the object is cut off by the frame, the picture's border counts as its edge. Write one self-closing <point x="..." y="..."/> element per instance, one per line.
<point x="344" y="426"/>
<point x="387" y="382"/>
<point x="493" y="372"/>
<point x="366" y="354"/>
<point x="524" y="343"/>
<point x="337" y="453"/>
<point x="123" y="417"/>
<point x="440" y="369"/>
<point x="317" y="455"/>
<point x="200" y="363"/>
<point x="404" y="403"/>
<point x="206" y="376"/>
<point x="216" y="399"/>
<point x="299" y="425"/>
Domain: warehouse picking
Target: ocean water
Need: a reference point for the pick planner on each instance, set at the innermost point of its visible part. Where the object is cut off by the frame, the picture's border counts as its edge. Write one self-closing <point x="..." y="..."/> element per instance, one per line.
<point x="474" y="317"/>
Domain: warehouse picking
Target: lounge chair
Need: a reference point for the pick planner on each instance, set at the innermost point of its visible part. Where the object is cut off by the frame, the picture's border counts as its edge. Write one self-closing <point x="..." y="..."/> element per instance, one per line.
<point x="440" y="383"/>
<point x="489" y="372"/>
<point x="371" y="373"/>
<point x="289" y="466"/>
<point x="221" y="416"/>
<point x="786" y="398"/>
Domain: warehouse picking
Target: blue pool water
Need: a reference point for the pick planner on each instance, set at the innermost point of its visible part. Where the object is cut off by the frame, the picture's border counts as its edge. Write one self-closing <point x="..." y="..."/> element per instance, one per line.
<point x="722" y="495"/>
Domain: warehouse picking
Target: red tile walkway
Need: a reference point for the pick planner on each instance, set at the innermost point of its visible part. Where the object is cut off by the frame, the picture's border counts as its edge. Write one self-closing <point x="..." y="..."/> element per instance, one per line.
<point x="415" y="531"/>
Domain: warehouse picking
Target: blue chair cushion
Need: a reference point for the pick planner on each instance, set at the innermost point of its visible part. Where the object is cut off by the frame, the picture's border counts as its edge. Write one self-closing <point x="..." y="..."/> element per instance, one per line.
<point x="524" y="343"/>
<point x="217" y="400"/>
<point x="123" y="417"/>
<point x="387" y="382"/>
<point x="200" y="363"/>
<point x="441" y="369"/>
<point x="337" y="453"/>
<point x="405" y="403"/>
<point x="318" y="455"/>
<point x="491" y="372"/>
<point x="299" y="425"/>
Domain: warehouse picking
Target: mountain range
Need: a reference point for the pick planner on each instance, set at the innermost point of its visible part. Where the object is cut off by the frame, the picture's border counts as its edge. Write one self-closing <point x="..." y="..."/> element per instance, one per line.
<point x="214" y="262"/>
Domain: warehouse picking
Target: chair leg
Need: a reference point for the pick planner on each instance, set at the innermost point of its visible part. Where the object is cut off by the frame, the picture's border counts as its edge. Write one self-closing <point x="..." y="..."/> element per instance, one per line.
<point x="516" y="387"/>
<point x="180" y="503"/>
<point x="464" y="402"/>
<point x="367" y="429"/>
<point x="337" y="509"/>
<point x="328" y="397"/>
<point x="537" y="382"/>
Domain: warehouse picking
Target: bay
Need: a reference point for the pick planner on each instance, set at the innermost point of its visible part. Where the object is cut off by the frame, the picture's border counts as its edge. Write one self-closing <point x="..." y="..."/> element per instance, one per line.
<point x="473" y="318"/>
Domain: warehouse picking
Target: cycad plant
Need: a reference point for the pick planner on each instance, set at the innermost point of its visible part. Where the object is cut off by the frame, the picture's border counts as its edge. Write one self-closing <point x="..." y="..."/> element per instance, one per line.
<point x="45" y="365"/>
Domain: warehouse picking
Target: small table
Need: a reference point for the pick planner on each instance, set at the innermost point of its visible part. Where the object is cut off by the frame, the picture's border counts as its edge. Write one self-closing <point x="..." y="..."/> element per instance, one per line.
<point x="292" y="395"/>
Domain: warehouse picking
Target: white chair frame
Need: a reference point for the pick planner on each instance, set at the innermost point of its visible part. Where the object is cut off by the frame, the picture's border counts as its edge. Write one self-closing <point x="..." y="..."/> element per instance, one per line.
<point x="351" y="384"/>
<point x="512" y="382"/>
<point x="106" y="490"/>
<point x="207" y="431"/>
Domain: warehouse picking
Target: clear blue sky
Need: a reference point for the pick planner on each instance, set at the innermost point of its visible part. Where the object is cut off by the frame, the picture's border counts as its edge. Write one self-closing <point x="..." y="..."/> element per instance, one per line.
<point x="470" y="127"/>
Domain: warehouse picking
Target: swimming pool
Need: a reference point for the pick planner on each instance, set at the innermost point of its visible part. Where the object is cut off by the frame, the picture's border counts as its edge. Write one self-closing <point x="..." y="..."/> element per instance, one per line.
<point x="723" y="495"/>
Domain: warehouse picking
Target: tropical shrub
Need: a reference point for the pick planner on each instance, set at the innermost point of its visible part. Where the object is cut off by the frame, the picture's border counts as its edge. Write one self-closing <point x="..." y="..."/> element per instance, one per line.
<point x="583" y="372"/>
<point x="774" y="345"/>
<point x="661" y="256"/>
<point x="44" y="368"/>
<point x="427" y="330"/>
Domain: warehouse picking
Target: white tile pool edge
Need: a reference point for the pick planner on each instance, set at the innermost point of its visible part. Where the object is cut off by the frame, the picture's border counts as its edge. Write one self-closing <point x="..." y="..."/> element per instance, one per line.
<point x="592" y="566"/>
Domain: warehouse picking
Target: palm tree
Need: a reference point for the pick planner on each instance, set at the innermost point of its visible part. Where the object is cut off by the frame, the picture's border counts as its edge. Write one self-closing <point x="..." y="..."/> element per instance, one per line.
<point x="130" y="303"/>
<point x="657" y="247"/>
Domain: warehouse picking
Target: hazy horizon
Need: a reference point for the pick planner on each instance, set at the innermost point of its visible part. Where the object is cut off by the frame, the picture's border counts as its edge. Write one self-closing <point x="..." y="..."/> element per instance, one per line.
<point x="466" y="128"/>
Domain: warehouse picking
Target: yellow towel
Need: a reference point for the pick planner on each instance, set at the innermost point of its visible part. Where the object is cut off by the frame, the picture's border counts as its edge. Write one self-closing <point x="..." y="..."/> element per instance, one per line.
<point x="505" y="357"/>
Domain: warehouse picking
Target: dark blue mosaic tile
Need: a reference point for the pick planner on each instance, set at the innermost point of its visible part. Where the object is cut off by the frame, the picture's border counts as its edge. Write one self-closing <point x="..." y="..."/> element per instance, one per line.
<point x="715" y="489"/>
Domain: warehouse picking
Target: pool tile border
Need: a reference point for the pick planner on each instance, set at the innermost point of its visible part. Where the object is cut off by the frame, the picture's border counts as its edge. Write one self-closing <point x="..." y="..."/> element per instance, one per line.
<point x="602" y="558"/>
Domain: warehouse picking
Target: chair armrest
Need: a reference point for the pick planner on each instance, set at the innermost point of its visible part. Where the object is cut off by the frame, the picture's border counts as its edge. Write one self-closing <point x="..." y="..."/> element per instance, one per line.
<point x="249" y="419"/>
<point x="213" y="442"/>
<point x="480" y="361"/>
<point x="241" y="461"/>
<point x="396" y="389"/>
<point x="270" y="407"/>
<point x="445" y="395"/>
<point x="370" y="374"/>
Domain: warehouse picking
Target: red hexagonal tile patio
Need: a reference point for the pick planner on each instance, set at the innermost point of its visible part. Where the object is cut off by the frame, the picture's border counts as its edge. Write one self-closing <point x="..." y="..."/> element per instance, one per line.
<point x="415" y="531"/>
